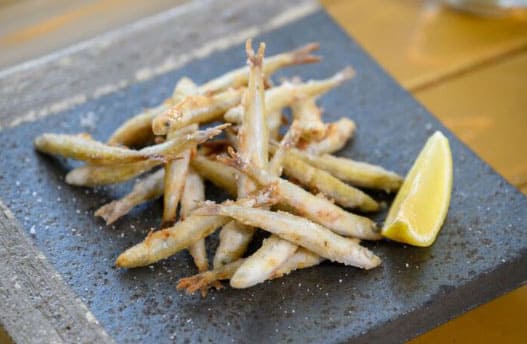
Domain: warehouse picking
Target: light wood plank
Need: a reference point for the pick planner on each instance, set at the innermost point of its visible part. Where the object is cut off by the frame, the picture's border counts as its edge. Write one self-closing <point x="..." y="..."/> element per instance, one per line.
<point x="29" y="29"/>
<point x="487" y="110"/>
<point x="499" y="321"/>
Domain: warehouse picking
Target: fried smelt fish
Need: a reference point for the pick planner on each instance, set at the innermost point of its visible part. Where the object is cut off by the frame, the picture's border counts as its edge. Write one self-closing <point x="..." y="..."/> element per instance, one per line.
<point x="254" y="134"/>
<point x="317" y="209"/>
<point x="94" y="175"/>
<point x="168" y="241"/>
<point x="300" y="231"/>
<point x="355" y="172"/>
<point x="337" y="135"/>
<point x="240" y="77"/>
<point x="144" y="190"/>
<point x="193" y="195"/>
<point x="196" y="109"/>
<point x="284" y="95"/>
<point x="175" y="176"/>
<point x="138" y="129"/>
<point x="309" y="117"/>
<point x="331" y="187"/>
<point x="175" y="179"/>
<point x="301" y="259"/>
<point x="325" y="183"/>
<point x="86" y="149"/>
<point x="234" y="239"/>
<point x="219" y="174"/>
<point x="274" y="250"/>
<point x="253" y="140"/>
<point x="176" y="170"/>
<point x="234" y="115"/>
<point x="260" y="265"/>
<point x="280" y="154"/>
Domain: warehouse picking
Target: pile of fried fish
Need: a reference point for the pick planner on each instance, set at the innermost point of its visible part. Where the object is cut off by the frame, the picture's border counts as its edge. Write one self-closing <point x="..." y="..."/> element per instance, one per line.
<point x="283" y="178"/>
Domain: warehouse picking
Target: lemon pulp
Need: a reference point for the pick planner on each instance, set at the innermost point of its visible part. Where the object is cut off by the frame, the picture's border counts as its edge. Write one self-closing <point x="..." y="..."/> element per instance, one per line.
<point x="421" y="205"/>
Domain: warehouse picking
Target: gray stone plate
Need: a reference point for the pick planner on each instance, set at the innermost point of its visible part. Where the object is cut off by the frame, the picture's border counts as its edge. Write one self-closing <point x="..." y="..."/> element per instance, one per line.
<point x="480" y="253"/>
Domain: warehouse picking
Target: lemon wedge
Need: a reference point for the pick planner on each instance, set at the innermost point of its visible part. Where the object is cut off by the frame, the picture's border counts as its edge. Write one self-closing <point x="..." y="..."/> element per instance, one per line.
<point x="421" y="205"/>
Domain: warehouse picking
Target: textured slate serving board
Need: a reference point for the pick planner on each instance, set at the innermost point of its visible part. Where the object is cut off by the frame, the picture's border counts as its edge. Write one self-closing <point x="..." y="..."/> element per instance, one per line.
<point x="480" y="253"/>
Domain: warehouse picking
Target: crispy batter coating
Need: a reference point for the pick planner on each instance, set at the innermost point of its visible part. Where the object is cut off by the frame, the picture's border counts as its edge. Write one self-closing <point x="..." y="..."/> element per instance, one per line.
<point x="253" y="140"/>
<point x="309" y="117"/>
<point x="144" y="190"/>
<point x="354" y="172"/>
<point x="82" y="148"/>
<point x="321" y="181"/>
<point x="94" y="175"/>
<point x="336" y="136"/>
<point x="301" y="259"/>
<point x="219" y="174"/>
<point x="193" y="195"/>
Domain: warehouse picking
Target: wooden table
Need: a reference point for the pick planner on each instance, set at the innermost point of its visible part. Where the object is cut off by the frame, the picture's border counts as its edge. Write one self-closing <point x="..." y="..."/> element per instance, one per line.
<point x="469" y="71"/>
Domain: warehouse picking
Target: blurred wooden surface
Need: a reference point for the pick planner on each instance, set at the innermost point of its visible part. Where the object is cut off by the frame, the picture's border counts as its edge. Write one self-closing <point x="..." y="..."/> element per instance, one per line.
<point x="471" y="72"/>
<point x="31" y="28"/>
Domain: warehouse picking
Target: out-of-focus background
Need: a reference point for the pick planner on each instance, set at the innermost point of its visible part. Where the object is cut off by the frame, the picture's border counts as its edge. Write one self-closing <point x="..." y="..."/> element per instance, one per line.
<point x="468" y="70"/>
